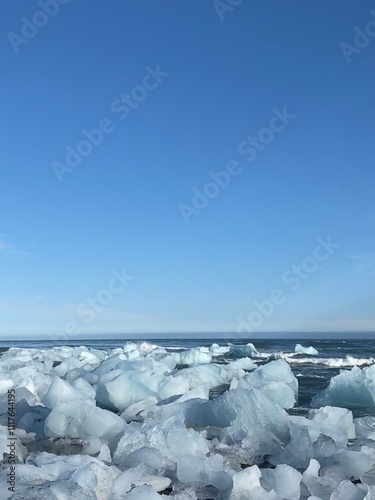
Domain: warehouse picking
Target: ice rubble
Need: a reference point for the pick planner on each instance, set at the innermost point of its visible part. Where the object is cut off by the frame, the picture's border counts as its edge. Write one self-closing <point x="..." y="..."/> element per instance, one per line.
<point x="138" y="423"/>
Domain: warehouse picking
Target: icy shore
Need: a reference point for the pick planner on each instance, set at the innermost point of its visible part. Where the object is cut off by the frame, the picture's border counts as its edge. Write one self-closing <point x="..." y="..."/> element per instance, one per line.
<point x="138" y="422"/>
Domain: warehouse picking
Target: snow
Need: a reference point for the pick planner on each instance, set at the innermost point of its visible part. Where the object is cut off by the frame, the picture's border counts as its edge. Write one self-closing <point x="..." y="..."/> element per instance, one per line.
<point x="141" y="422"/>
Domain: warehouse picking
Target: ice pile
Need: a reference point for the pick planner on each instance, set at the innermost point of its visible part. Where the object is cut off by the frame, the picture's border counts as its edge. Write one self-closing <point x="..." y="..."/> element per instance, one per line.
<point x="144" y="422"/>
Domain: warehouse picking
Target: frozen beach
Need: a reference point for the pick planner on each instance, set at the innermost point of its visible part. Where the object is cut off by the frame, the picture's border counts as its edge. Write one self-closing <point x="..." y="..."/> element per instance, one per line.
<point x="141" y="420"/>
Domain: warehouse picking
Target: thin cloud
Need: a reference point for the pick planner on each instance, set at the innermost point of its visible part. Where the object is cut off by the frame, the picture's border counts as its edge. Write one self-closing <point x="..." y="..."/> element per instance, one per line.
<point x="358" y="256"/>
<point x="8" y="248"/>
<point x="365" y="263"/>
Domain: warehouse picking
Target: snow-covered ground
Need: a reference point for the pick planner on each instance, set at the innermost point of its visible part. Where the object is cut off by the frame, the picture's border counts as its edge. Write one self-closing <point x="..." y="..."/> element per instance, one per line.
<point x="138" y="423"/>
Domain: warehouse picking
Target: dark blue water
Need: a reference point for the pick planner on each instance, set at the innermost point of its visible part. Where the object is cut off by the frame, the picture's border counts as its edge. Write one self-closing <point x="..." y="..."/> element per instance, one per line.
<point x="313" y="372"/>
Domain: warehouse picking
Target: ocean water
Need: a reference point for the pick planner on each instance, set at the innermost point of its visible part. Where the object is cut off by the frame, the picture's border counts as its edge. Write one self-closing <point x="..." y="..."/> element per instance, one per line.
<point x="313" y="372"/>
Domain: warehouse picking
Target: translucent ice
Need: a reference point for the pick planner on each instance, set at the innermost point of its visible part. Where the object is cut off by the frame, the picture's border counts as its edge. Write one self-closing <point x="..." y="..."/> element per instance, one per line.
<point x="353" y="388"/>
<point x="198" y="355"/>
<point x="305" y="350"/>
<point x="276" y="380"/>
<point x="240" y="351"/>
<point x="203" y="472"/>
<point x="284" y="480"/>
<point x="76" y="419"/>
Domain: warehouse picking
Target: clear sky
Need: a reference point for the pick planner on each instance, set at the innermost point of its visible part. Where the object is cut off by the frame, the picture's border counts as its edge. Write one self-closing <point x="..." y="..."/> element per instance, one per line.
<point x="228" y="185"/>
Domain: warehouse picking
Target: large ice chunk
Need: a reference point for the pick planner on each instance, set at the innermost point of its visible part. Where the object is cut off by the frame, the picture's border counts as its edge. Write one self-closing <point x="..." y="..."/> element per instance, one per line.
<point x="346" y="490"/>
<point x="275" y="379"/>
<point x="251" y="419"/>
<point x="203" y="472"/>
<point x="76" y="419"/>
<point x="61" y="391"/>
<point x="241" y="351"/>
<point x="353" y="388"/>
<point x="305" y="350"/>
<point x="285" y="480"/>
<point x="133" y="381"/>
<point x="325" y="432"/>
<point x="170" y="437"/>
<point x="96" y="478"/>
<point x="246" y="485"/>
<point x="217" y="350"/>
<point x="198" y="355"/>
<point x="365" y="427"/>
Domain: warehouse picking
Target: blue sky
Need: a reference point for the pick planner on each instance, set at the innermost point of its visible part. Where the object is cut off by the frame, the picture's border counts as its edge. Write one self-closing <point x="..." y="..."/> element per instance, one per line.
<point x="182" y="91"/>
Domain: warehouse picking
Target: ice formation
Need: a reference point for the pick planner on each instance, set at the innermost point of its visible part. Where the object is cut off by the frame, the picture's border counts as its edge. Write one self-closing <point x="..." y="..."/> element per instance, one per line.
<point x="353" y="388"/>
<point x="305" y="350"/>
<point x="144" y="422"/>
<point x="275" y="379"/>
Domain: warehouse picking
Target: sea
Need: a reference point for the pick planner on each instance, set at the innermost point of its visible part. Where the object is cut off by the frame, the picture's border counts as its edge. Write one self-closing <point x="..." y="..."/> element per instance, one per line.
<point x="312" y="371"/>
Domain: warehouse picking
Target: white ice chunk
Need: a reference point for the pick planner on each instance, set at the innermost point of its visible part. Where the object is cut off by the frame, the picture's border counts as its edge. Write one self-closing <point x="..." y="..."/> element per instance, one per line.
<point x="276" y="380"/>
<point x="250" y="417"/>
<point x="197" y="355"/>
<point x="157" y="482"/>
<point x="346" y="490"/>
<point x="5" y="384"/>
<point x="123" y="483"/>
<point x="77" y="419"/>
<point x="170" y="437"/>
<point x="61" y="391"/>
<point x="150" y="457"/>
<point x="355" y="463"/>
<point x="117" y="390"/>
<point x="350" y="389"/>
<point x="242" y="364"/>
<point x="285" y="480"/>
<point x="131" y="412"/>
<point x="217" y="350"/>
<point x="181" y="441"/>
<point x="143" y="493"/>
<point x="203" y="472"/>
<point x="275" y="371"/>
<point x="246" y="485"/>
<point x="172" y="386"/>
<point x="84" y="388"/>
<point x="365" y="427"/>
<point x="321" y="435"/>
<point x="96" y="478"/>
<point x="89" y="358"/>
<point x="201" y="392"/>
<point x="306" y="350"/>
<point x="336" y="423"/>
<point x="319" y="486"/>
<point x="244" y="482"/>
